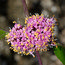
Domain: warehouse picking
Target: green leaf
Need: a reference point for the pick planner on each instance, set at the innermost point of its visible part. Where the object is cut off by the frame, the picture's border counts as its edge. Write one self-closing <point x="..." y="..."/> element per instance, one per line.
<point x="2" y="34"/>
<point x="60" y="53"/>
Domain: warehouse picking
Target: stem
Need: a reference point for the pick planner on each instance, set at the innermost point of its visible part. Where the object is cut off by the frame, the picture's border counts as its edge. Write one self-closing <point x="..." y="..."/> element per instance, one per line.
<point x="25" y="8"/>
<point x="27" y="13"/>
<point x="39" y="59"/>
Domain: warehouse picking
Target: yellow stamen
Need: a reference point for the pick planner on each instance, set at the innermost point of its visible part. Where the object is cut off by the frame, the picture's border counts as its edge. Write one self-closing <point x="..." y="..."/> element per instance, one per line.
<point x="49" y="20"/>
<point x="30" y="17"/>
<point x="14" y="49"/>
<point x="40" y="19"/>
<point x="28" y="24"/>
<point x="42" y="49"/>
<point x="21" y="43"/>
<point x="24" y="52"/>
<point x="38" y="49"/>
<point x="18" y="25"/>
<point x="26" y="44"/>
<point x="25" y="27"/>
<point x="38" y="30"/>
<point x="10" y="48"/>
<point x="31" y="45"/>
<point x="49" y="35"/>
<point x="12" y="45"/>
<point x="30" y="50"/>
<point x="43" y="44"/>
<point x="52" y="39"/>
<point x="37" y="22"/>
<point x="25" y="21"/>
<point x="7" y="36"/>
<point x="55" y="19"/>
<point x="27" y="36"/>
<point x="14" y="21"/>
<point x="46" y="45"/>
<point x="50" y="29"/>
<point x="31" y="26"/>
<point x="14" y="33"/>
<point x="35" y="33"/>
<point x="34" y="56"/>
<point x="45" y="49"/>
<point x="45" y="29"/>
<point x="42" y="15"/>
<point x="46" y="37"/>
<point x="10" y="30"/>
<point x="20" y="52"/>
<point x="43" y="37"/>
<point x="56" y="46"/>
<point x="8" y="42"/>
<point x="18" y="47"/>
<point x="24" y="49"/>
<point x="27" y="53"/>
<point x="31" y="38"/>
<point x="27" y="18"/>
<point x="24" y="31"/>
<point x="39" y="45"/>
<point x="53" y="15"/>
<point x="34" y="17"/>
<point x="28" y="41"/>
<point x="37" y="15"/>
<point x="52" y="34"/>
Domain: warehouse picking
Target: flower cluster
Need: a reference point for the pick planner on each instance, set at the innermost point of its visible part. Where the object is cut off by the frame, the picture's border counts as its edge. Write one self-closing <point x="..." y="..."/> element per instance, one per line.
<point x="34" y="36"/>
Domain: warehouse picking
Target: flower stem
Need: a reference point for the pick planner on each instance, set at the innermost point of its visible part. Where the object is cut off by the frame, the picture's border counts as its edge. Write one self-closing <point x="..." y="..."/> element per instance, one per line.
<point x="25" y="8"/>
<point x="39" y="59"/>
<point x="27" y="13"/>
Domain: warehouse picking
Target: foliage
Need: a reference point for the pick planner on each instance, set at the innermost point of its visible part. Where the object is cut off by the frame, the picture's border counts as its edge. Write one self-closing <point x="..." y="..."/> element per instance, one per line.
<point x="2" y="34"/>
<point x="60" y="53"/>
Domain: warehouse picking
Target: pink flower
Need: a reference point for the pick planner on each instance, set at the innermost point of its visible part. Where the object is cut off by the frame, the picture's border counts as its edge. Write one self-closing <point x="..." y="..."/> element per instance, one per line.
<point x="35" y="36"/>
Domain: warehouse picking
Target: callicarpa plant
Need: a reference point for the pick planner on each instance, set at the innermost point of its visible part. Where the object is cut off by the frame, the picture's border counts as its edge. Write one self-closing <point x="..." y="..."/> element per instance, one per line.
<point x="36" y="35"/>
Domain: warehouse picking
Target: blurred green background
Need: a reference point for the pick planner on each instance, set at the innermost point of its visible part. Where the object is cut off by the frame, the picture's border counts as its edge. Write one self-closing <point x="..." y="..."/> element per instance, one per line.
<point x="11" y="10"/>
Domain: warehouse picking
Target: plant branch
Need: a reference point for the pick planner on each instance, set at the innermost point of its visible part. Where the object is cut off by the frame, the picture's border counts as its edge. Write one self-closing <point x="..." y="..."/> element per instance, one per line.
<point x="39" y="59"/>
<point x="25" y="8"/>
<point x="27" y="13"/>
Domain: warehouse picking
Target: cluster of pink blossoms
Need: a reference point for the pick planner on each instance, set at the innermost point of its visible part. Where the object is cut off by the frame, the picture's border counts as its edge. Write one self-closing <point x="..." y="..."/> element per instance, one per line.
<point x="34" y="36"/>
